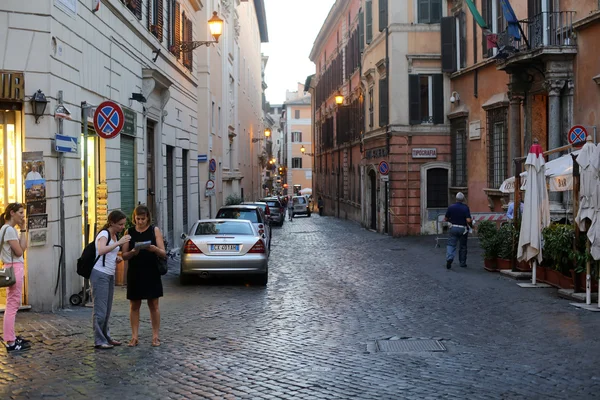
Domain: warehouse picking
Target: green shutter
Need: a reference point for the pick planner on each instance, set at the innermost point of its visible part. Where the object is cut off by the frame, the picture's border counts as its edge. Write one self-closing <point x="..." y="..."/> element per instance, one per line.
<point x="361" y="30"/>
<point x="369" y="32"/>
<point x="127" y="174"/>
<point x="383" y="15"/>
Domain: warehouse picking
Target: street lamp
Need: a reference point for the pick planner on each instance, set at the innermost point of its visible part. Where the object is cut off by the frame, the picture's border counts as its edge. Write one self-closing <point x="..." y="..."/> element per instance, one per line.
<point x="339" y="98"/>
<point x="304" y="153"/>
<point x="267" y="132"/>
<point x="39" y="103"/>
<point x="215" y="24"/>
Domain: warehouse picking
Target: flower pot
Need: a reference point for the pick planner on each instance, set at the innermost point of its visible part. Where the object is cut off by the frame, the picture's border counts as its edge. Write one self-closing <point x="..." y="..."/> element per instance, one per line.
<point x="524" y="266"/>
<point x="503" y="263"/>
<point x="565" y="282"/>
<point x="490" y="264"/>
<point x="540" y="273"/>
<point x="553" y="277"/>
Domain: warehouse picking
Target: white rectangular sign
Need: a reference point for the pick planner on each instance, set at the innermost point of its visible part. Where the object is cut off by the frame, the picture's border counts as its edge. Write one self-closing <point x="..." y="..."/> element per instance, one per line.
<point x="474" y="130"/>
<point x="430" y="152"/>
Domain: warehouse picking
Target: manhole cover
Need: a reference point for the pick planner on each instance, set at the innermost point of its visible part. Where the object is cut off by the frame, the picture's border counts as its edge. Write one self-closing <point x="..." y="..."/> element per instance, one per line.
<point x="403" y="346"/>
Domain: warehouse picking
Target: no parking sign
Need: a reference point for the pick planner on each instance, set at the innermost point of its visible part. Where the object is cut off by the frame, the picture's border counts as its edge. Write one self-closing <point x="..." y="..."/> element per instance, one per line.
<point x="108" y="120"/>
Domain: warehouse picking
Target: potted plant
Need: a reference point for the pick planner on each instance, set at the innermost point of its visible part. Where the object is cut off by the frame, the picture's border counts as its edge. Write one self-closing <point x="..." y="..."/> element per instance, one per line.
<point x="487" y="234"/>
<point x="558" y="243"/>
<point x="505" y="236"/>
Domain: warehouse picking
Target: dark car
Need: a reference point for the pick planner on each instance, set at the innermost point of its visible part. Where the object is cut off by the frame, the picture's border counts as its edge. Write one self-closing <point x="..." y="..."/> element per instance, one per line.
<point x="277" y="210"/>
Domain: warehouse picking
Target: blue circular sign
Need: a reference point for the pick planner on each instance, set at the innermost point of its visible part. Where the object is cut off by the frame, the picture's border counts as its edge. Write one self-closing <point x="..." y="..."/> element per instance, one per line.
<point x="108" y="120"/>
<point x="212" y="165"/>
<point x="577" y="134"/>
<point x="384" y="168"/>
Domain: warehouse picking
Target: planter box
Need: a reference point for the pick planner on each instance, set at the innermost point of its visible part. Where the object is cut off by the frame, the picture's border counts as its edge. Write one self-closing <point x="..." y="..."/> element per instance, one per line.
<point x="524" y="266"/>
<point x="579" y="279"/>
<point x="503" y="263"/>
<point x="565" y="282"/>
<point x="490" y="264"/>
<point x="540" y="273"/>
<point x="553" y="277"/>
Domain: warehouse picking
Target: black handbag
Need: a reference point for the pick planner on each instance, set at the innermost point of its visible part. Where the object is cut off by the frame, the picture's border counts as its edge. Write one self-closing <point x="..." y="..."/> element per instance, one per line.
<point x="7" y="274"/>
<point x="163" y="266"/>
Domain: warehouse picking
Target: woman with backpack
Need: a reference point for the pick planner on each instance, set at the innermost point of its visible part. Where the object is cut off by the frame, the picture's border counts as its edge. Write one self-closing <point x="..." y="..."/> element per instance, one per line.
<point x="103" y="277"/>
<point x="12" y="251"/>
<point x="143" y="275"/>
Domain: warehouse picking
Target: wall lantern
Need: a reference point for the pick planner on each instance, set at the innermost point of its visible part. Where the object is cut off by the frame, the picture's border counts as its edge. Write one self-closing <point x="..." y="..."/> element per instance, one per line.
<point x="39" y="103"/>
<point x="339" y="98"/>
<point x="267" y="132"/>
<point x="215" y="25"/>
<point x="302" y="149"/>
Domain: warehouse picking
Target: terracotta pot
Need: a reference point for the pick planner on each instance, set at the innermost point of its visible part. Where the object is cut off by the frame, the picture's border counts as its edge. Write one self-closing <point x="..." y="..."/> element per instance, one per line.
<point x="490" y="264"/>
<point x="565" y="282"/>
<point x="553" y="277"/>
<point x="540" y="273"/>
<point x="503" y="263"/>
<point x="524" y="266"/>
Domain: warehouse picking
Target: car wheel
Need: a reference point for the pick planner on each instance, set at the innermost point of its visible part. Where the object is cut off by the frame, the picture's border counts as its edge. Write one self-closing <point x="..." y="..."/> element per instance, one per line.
<point x="184" y="279"/>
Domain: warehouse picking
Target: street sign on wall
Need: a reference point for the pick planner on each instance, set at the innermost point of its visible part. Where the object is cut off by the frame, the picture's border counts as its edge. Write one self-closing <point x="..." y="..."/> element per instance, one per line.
<point x="130" y="122"/>
<point x="384" y="168"/>
<point x="108" y="120"/>
<point x="577" y="134"/>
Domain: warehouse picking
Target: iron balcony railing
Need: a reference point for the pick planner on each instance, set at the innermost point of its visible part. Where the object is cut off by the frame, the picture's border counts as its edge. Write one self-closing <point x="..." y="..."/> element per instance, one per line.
<point x="547" y="29"/>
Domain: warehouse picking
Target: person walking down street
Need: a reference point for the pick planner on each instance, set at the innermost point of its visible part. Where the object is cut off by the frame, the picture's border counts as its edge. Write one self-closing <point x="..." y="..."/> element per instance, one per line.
<point x="103" y="277"/>
<point x="143" y="276"/>
<point x="320" y="205"/>
<point x="13" y="247"/>
<point x="459" y="216"/>
<point x="290" y="206"/>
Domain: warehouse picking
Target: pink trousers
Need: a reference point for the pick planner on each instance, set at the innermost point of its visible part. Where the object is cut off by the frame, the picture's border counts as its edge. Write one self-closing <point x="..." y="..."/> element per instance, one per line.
<point x="13" y="301"/>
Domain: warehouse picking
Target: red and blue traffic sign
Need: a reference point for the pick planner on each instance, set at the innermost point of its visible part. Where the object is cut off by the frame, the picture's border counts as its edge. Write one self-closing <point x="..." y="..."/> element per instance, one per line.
<point x="384" y="168"/>
<point x="108" y="120"/>
<point x="212" y="165"/>
<point x="577" y="134"/>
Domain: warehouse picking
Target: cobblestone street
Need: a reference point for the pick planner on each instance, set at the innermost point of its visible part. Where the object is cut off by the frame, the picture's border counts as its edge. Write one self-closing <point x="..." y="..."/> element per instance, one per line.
<point x="334" y="290"/>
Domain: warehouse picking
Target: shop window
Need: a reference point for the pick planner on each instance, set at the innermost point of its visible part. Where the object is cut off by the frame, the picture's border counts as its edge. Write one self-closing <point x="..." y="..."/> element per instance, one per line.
<point x="497" y="147"/>
<point x="97" y="192"/>
<point x="437" y="188"/>
<point x="11" y="181"/>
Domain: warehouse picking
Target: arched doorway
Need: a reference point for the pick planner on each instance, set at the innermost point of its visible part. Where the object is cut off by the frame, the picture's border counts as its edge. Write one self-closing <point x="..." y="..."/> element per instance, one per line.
<point x="373" y="199"/>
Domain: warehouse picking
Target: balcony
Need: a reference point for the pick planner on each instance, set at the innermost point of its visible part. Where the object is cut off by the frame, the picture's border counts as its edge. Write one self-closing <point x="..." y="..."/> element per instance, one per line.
<point x="546" y="34"/>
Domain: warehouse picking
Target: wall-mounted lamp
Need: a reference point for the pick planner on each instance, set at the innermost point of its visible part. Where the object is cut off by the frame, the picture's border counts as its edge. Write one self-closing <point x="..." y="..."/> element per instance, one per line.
<point x="267" y="132"/>
<point x="39" y="103"/>
<point x="138" y="97"/>
<point x="339" y="98"/>
<point x="215" y="24"/>
<point x="454" y="97"/>
<point x="304" y="153"/>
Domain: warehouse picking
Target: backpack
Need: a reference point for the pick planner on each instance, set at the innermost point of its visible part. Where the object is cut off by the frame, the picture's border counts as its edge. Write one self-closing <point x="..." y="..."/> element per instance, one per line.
<point x="85" y="263"/>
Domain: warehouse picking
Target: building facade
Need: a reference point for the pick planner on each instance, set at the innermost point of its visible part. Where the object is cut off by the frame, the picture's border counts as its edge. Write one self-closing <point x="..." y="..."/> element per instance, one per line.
<point x="128" y="52"/>
<point x="511" y="85"/>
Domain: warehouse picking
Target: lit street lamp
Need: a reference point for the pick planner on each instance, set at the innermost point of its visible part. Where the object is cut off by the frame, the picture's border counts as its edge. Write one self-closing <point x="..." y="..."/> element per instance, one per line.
<point x="339" y="98"/>
<point x="215" y="24"/>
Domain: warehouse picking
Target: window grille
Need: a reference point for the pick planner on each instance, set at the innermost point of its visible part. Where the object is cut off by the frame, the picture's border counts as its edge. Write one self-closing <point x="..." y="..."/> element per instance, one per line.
<point x="497" y="146"/>
<point x="459" y="153"/>
<point x="437" y="188"/>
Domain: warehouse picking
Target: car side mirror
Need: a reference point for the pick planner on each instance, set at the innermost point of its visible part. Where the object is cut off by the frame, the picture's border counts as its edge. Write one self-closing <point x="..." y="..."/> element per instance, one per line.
<point x="183" y="235"/>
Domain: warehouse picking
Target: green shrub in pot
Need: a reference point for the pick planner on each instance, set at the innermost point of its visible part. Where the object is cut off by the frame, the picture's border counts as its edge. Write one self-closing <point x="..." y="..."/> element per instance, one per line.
<point x="558" y="247"/>
<point x="505" y="237"/>
<point x="487" y="234"/>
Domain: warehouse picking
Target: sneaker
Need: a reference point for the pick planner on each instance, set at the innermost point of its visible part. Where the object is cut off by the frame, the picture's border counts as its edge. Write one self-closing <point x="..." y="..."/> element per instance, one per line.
<point x="21" y="340"/>
<point x="448" y="264"/>
<point x="17" y="346"/>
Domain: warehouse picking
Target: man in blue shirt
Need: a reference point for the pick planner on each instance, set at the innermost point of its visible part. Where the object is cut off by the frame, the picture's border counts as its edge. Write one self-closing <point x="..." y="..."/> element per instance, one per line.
<point x="459" y="216"/>
<point x="510" y="213"/>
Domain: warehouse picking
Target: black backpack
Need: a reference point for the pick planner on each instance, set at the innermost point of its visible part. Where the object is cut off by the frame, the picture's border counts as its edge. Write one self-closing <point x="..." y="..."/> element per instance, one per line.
<point x="85" y="263"/>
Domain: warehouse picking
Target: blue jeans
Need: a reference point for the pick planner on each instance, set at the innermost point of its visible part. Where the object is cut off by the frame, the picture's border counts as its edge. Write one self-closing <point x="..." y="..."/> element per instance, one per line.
<point x="457" y="236"/>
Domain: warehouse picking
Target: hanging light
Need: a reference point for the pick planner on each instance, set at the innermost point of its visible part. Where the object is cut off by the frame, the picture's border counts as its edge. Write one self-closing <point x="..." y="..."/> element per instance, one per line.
<point x="267" y="132"/>
<point x="39" y="103"/>
<point x="302" y="149"/>
<point x="215" y="25"/>
<point x="339" y="98"/>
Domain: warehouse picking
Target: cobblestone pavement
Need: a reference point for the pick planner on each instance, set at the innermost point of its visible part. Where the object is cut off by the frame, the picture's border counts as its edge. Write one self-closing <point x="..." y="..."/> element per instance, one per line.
<point x="334" y="290"/>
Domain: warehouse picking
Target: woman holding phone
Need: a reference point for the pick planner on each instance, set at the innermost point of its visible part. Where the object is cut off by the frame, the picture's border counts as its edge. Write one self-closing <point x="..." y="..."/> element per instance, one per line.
<point x="143" y="277"/>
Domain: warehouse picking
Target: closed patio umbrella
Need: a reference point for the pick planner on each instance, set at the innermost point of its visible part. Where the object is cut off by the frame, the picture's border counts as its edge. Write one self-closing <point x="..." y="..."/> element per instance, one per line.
<point x="588" y="175"/>
<point x="536" y="209"/>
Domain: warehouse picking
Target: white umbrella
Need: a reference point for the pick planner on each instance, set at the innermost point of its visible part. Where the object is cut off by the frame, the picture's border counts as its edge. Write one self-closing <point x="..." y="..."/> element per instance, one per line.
<point x="588" y="175"/>
<point x="305" y="191"/>
<point x="536" y="209"/>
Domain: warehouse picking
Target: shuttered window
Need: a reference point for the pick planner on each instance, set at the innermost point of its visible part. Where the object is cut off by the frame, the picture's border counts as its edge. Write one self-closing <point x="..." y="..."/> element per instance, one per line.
<point x="187" y="30"/>
<point x="426" y="98"/>
<point x="430" y="11"/>
<point x="155" y="18"/>
<point x="371" y="107"/>
<point x="176" y="29"/>
<point x="459" y="152"/>
<point x="383" y="15"/>
<point x="383" y="102"/>
<point x="369" y="21"/>
<point x="448" y="29"/>
<point x="135" y="6"/>
<point x="486" y="13"/>
<point x="361" y="30"/>
<point x="462" y="38"/>
<point x="296" y="162"/>
<point x="127" y="174"/>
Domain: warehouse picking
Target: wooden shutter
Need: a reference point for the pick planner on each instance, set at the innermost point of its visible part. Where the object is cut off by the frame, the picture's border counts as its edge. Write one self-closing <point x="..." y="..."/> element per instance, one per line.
<point x="438" y="98"/>
<point x="137" y="8"/>
<point x="424" y="12"/>
<point x="177" y="29"/>
<point x="188" y="38"/>
<point x="149" y="15"/>
<point x="462" y="19"/>
<point x="485" y="10"/>
<point x="383" y="102"/>
<point x="448" y="30"/>
<point x="361" y="30"/>
<point x="435" y="11"/>
<point x="159" y="20"/>
<point x="414" y="99"/>
<point x="383" y="15"/>
<point x="169" y="23"/>
<point x="369" y="33"/>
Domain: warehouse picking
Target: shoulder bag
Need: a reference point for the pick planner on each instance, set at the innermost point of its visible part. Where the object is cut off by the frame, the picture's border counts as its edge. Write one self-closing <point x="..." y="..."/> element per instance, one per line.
<point x="163" y="267"/>
<point x="7" y="274"/>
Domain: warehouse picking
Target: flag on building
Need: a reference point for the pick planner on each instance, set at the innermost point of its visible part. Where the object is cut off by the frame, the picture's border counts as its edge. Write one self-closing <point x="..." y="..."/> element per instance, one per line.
<point x="511" y="19"/>
<point x="478" y="18"/>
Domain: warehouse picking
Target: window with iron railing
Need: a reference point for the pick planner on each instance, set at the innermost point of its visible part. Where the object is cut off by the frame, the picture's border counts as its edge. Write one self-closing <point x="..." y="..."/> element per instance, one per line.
<point x="459" y="152"/>
<point x="296" y="162"/>
<point x="497" y="146"/>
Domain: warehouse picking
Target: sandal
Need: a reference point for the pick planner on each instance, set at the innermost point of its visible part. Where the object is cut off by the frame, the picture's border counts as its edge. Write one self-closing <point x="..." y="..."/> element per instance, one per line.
<point x="155" y="342"/>
<point x="133" y="342"/>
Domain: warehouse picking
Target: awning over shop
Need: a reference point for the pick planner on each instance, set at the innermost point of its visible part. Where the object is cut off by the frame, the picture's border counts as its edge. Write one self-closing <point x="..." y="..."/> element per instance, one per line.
<point x="559" y="175"/>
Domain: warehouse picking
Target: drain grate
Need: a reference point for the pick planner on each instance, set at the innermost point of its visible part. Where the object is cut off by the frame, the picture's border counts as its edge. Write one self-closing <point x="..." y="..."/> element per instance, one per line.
<point x="404" y="346"/>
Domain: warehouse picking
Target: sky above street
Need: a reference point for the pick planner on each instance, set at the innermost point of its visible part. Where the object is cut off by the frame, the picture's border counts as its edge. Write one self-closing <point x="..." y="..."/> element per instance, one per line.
<point x="293" y="26"/>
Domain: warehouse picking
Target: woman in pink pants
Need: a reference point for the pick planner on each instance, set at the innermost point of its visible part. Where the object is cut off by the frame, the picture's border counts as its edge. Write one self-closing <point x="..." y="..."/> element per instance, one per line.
<point x="11" y="253"/>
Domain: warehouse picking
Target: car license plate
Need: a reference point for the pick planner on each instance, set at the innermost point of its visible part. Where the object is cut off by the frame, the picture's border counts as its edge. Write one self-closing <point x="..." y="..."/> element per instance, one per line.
<point x="224" y="247"/>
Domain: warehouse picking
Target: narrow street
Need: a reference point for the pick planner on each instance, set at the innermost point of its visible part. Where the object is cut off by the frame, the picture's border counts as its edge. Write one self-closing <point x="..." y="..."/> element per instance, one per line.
<point x="334" y="290"/>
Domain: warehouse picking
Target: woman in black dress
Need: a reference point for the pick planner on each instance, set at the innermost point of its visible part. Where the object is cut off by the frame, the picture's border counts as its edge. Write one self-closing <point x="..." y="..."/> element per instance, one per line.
<point x="143" y="277"/>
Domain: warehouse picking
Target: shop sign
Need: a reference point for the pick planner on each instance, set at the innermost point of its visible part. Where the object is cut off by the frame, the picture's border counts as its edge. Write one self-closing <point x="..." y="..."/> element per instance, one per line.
<point x="430" y="152"/>
<point x="12" y="86"/>
<point x="378" y="152"/>
<point x="130" y="122"/>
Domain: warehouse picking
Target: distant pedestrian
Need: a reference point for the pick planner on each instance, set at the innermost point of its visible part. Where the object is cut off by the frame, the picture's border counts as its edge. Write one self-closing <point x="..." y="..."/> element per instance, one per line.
<point x="13" y="248"/>
<point x="143" y="276"/>
<point x="103" y="277"/>
<point x="290" y="206"/>
<point x="510" y="213"/>
<point x="459" y="216"/>
<point x="320" y="205"/>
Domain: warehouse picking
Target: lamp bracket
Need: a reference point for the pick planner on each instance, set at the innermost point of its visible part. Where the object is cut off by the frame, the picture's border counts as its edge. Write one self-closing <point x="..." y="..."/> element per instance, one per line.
<point x="186" y="47"/>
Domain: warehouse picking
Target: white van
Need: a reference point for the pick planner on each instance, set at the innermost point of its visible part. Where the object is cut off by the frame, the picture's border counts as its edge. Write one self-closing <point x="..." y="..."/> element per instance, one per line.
<point x="300" y="206"/>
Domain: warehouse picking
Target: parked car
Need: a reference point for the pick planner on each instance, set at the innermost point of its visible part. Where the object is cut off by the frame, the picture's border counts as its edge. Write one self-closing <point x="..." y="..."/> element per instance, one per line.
<point x="224" y="247"/>
<point x="254" y="214"/>
<point x="277" y="210"/>
<point x="300" y="206"/>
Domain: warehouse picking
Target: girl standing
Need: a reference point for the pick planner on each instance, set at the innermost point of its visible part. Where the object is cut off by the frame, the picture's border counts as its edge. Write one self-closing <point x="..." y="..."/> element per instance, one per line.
<point x="103" y="277"/>
<point x="12" y="251"/>
<point x="143" y="277"/>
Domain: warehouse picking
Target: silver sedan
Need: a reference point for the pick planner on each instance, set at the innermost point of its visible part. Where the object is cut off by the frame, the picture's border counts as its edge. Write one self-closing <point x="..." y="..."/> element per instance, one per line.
<point x="224" y="247"/>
